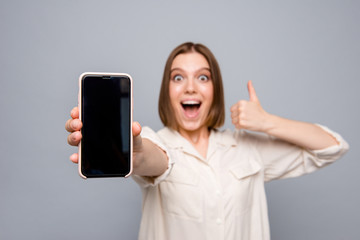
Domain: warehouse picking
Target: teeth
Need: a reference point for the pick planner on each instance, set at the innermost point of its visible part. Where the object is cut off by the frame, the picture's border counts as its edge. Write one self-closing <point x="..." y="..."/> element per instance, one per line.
<point x="190" y="102"/>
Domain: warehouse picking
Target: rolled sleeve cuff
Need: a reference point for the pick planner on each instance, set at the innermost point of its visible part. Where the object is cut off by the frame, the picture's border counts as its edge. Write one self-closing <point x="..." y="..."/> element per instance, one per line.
<point x="332" y="153"/>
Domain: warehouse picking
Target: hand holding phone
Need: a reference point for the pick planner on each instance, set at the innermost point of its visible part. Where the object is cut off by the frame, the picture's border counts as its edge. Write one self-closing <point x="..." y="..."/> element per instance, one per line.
<point x="73" y="126"/>
<point x="105" y="110"/>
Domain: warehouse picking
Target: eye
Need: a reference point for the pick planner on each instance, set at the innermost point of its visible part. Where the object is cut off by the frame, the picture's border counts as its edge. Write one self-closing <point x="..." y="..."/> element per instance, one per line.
<point x="203" y="78"/>
<point x="178" y="78"/>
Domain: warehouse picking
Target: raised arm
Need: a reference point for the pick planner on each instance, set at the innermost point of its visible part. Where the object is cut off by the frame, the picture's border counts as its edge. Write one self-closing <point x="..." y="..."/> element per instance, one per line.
<point x="148" y="159"/>
<point x="251" y="116"/>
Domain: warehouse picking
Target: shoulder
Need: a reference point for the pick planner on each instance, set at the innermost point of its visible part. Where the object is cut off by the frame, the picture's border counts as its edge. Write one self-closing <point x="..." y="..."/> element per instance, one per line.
<point x="153" y="136"/>
<point x="239" y="136"/>
<point x="147" y="131"/>
<point x="166" y="136"/>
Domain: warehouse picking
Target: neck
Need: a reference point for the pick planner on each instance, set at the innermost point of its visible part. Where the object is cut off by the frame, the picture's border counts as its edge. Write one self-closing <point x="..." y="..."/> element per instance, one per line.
<point x="198" y="138"/>
<point x="195" y="136"/>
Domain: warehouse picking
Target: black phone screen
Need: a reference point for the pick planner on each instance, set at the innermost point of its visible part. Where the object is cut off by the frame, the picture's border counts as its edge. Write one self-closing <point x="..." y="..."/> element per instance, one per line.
<point x="105" y="113"/>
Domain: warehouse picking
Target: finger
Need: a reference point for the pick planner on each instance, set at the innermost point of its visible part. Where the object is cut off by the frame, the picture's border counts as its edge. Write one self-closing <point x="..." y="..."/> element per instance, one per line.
<point x="74" y="138"/>
<point x="234" y="108"/>
<point x="237" y="123"/>
<point x="74" y="158"/>
<point x="73" y="125"/>
<point x="239" y="105"/>
<point x="136" y="129"/>
<point x="74" y="113"/>
<point x="235" y="113"/>
<point x="235" y="120"/>
<point x="252" y="94"/>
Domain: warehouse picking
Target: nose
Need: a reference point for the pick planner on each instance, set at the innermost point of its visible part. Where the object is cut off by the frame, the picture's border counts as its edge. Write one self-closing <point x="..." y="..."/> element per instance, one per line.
<point x="190" y="85"/>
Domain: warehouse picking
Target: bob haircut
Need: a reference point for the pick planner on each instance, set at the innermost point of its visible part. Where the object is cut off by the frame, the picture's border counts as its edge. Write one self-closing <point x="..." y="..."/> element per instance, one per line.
<point x="216" y="116"/>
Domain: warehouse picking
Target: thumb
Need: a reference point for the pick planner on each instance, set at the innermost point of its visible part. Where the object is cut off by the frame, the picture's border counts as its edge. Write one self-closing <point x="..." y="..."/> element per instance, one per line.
<point x="137" y="140"/>
<point x="252" y="93"/>
<point x="136" y="129"/>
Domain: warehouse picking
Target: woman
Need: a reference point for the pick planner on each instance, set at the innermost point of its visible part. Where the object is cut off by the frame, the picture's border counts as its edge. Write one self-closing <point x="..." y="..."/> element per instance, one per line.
<point x="202" y="183"/>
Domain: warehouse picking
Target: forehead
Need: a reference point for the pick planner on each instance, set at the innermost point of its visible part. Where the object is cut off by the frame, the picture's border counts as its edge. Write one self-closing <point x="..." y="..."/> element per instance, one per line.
<point x="192" y="61"/>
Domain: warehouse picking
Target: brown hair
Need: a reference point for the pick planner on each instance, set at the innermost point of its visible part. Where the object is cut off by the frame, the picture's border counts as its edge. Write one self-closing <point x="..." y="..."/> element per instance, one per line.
<point x="216" y="114"/>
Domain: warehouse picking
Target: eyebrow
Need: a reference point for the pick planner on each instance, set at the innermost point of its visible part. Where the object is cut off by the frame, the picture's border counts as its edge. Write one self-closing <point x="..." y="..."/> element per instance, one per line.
<point x="179" y="69"/>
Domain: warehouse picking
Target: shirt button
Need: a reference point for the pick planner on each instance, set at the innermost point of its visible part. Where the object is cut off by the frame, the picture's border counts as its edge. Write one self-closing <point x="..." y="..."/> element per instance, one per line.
<point x="218" y="221"/>
<point x="218" y="193"/>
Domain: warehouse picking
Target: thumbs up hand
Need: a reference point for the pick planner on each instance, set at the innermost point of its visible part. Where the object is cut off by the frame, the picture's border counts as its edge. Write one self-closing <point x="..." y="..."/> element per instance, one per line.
<point x="249" y="114"/>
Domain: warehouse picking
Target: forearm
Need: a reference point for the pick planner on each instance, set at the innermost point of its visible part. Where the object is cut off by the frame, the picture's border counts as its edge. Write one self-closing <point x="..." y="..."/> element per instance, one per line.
<point x="151" y="161"/>
<point x="303" y="134"/>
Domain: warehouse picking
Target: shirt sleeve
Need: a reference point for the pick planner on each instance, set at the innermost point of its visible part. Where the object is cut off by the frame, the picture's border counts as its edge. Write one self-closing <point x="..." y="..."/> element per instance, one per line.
<point x="145" y="181"/>
<point x="284" y="160"/>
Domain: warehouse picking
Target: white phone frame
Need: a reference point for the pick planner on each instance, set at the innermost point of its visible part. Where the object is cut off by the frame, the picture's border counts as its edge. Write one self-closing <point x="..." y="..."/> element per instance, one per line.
<point x="131" y="113"/>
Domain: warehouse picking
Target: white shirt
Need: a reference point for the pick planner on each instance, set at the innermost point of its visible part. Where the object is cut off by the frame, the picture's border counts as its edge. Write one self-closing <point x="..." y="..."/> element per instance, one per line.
<point x="221" y="196"/>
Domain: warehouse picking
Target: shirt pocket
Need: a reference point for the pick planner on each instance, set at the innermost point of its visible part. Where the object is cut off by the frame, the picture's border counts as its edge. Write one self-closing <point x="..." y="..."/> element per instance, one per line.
<point x="181" y="196"/>
<point x="243" y="188"/>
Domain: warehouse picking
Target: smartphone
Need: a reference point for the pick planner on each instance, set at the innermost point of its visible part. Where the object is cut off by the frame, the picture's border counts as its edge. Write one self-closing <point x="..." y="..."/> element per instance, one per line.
<point x="105" y="109"/>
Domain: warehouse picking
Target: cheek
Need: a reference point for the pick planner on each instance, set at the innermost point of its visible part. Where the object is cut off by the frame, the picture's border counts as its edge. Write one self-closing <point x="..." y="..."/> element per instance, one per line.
<point x="174" y="90"/>
<point x="208" y="93"/>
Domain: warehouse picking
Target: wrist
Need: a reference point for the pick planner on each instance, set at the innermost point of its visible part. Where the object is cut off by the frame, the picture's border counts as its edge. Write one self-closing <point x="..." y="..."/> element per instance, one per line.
<point x="270" y="123"/>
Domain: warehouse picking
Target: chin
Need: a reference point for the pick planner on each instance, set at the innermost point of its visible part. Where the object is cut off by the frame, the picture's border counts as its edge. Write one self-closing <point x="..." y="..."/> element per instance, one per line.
<point x="190" y="127"/>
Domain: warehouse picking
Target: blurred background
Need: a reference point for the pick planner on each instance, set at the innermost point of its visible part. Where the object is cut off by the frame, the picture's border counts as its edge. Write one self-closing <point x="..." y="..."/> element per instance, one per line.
<point x="303" y="58"/>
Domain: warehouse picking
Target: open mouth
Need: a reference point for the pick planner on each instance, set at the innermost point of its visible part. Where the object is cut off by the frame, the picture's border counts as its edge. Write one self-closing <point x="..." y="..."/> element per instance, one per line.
<point x="191" y="107"/>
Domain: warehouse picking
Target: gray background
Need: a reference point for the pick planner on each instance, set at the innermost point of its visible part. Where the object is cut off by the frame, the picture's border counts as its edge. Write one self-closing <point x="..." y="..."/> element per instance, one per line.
<point x="303" y="58"/>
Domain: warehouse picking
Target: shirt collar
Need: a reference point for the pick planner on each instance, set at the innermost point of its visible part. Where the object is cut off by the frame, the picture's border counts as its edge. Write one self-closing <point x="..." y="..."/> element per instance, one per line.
<point x="224" y="138"/>
<point x="173" y="139"/>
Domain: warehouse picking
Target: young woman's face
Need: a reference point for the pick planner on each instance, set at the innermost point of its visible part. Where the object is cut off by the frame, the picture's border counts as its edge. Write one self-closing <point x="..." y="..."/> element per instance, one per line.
<point x="191" y="90"/>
